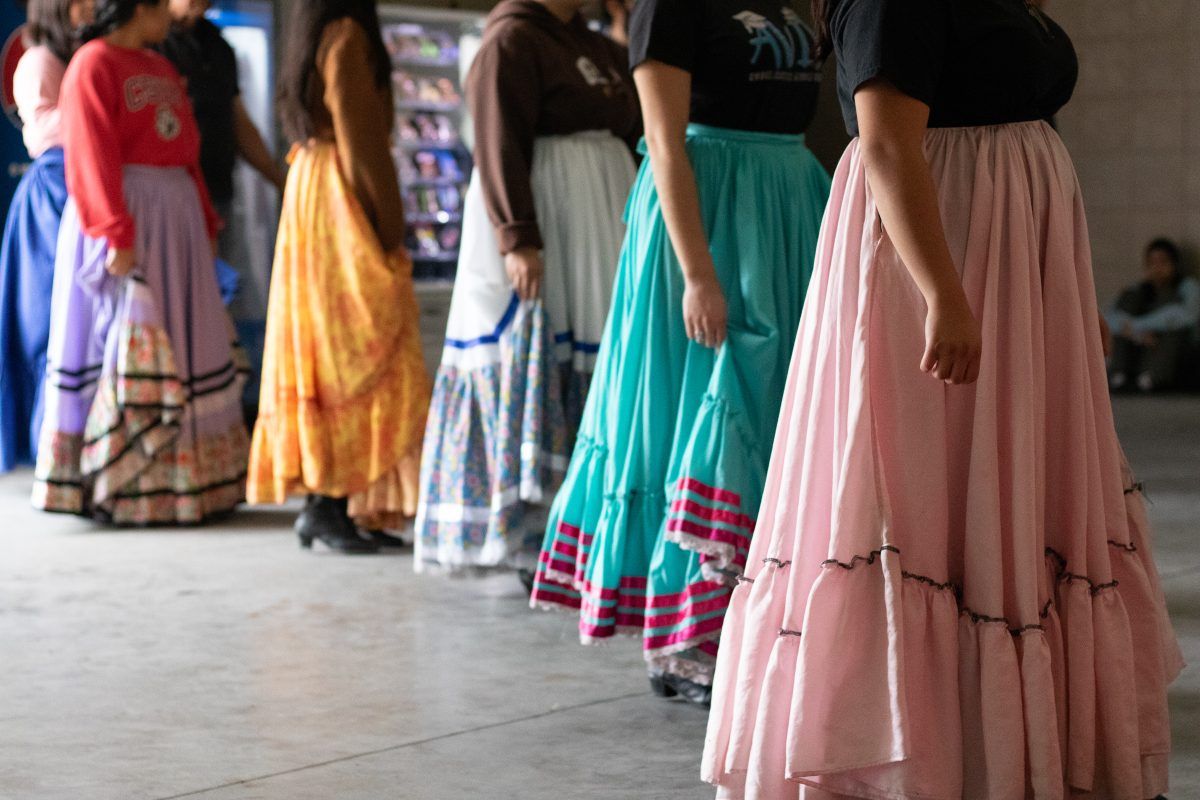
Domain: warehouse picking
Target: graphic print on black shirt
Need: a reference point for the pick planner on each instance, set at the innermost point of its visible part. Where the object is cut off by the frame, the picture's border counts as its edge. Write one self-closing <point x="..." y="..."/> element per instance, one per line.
<point x="786" y="50"/>
<point x="752" y="61"/>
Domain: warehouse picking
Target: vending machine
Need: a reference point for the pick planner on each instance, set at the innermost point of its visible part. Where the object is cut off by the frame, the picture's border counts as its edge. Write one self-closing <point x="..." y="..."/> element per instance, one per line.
<point x="13" y="158"/>
<point x="431" y="50"/>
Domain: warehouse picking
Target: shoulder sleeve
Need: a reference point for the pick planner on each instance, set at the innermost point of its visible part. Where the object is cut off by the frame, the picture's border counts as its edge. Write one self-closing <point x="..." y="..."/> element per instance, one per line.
<point x="504" y="97"/>
<point x="362" y="129"/>
<point x="666" y="31"/>
<point x="902" y="41"/>
<point x="91" y="107"/>
<point x="36" y="85"/>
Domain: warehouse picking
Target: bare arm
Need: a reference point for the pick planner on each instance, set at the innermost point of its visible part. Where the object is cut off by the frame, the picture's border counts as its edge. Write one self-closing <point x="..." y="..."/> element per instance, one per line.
<point x="893" y="127"/>
<point x="619" y="11"/>
<point x="665" y="93"/>
<point x="1176" y="316"/>
<point x="251" y="146"/>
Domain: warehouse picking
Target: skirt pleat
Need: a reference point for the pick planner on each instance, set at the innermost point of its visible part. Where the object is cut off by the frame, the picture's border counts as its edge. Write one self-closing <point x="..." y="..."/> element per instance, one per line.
<point x="143" y="421"/>
<point x="653" y="523"/>
<point x="344" y="387"/>
<point x="26" y="286"/>
<point x="509" y="392"/>
<point x="950" y="592"/>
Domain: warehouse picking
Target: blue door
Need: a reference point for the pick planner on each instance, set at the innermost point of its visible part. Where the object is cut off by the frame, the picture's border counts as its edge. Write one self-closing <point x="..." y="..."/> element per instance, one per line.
<point x="13" y="158"/>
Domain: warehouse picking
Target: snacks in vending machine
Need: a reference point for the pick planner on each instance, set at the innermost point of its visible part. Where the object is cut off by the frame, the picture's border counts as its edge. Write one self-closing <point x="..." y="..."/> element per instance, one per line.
<point x="430" y="147"/>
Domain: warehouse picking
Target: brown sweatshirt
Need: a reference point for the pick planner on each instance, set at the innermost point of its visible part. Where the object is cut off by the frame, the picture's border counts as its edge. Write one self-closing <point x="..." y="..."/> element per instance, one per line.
<point x="538" y="76"/>
<point x="349" y="109"/>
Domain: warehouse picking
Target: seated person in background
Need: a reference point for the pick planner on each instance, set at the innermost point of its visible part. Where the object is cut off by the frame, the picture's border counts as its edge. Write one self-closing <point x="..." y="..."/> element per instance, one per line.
<point x="1154" y="322"/>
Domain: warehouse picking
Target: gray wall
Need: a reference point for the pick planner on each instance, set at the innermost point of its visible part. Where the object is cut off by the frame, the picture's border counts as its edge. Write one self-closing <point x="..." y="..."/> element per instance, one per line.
<point x="827" y="137"/>
<point x="1133" y="127"/>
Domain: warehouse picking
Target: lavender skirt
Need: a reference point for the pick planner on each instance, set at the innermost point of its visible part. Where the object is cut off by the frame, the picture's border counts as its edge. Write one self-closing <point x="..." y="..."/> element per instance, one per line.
<point x="143" y="420"/>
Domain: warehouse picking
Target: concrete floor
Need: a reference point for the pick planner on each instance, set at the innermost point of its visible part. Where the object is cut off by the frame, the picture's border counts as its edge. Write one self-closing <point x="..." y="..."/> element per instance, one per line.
<point x="225" y="664"/>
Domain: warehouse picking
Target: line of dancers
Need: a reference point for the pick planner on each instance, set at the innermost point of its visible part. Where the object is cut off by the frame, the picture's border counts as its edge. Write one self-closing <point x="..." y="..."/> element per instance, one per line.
<point x="899" y="553"/>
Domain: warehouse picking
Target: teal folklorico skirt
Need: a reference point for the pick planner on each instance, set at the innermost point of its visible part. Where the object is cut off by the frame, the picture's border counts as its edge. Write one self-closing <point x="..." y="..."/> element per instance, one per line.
<point x="652" y="526"/>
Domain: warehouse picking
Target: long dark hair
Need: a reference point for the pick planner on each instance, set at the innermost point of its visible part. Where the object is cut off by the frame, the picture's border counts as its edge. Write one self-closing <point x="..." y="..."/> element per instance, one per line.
<point x="300" y="57"/>
<point x="821" y="11"/>
<point x="50" y="25"/>
<point x="112" y="14"/>
<point x="1172" y="252"/>
<point x="1167" y="248"/>
<point x="1144" y="296"/>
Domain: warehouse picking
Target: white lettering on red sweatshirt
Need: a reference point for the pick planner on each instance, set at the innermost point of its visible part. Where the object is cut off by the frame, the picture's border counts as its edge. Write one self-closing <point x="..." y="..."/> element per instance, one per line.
<point x="124" y="106"/>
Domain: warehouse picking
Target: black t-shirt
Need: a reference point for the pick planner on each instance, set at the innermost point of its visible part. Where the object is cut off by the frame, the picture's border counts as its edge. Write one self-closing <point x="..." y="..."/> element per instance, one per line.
<point x="209" y="66"/>
<point x="983" y="62"/>
<point x="752" y="62"/>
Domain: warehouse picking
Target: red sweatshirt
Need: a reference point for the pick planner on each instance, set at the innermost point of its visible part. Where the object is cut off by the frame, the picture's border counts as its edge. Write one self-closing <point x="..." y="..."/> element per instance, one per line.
<point x="122" y="106"/>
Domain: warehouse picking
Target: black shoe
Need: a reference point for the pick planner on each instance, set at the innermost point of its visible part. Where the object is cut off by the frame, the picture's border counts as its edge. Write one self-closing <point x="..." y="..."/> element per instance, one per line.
<point x="325" y="519"/>
<point x="525" y="576"/>
<point x="695" y="693"/>
<point x="659" y="686"/>
<point x="387" y="540"/>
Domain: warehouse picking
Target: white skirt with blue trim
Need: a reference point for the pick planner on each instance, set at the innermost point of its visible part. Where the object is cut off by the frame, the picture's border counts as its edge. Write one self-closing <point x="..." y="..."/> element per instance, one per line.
<point x="510" y="390"/>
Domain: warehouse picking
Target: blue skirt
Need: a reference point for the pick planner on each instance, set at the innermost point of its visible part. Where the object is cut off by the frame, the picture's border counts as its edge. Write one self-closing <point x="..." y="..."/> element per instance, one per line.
<point x="26" y="282"/>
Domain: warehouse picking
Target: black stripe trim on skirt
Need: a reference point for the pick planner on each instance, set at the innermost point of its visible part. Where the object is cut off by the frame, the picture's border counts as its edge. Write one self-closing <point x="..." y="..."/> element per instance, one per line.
<point x="230" y="367"/>
<point x="156" y="407"/>
<point x="192" y="493"/>
<point x="77" y="373"/>
<point x="133" y="442"/>
<point x="62" y="387"/>
<point x="156" y="492"/>
<point x="153" y="406"/>
<point x="89" y="442"/>
<point x="225" y="384"/>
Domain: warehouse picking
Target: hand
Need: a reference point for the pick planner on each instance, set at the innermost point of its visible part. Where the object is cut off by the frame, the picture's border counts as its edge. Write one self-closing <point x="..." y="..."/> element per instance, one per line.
<point x="120" y="261"/>
<point x="1106" y="338"/>
<point x="705" y="315"/>
<point x="953" y="343"/>
<point x="619" y="11"/>
<point x="524" y="268"/>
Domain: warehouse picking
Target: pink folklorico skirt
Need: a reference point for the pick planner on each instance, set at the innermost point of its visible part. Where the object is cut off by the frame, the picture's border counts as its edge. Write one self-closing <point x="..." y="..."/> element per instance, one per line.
<point x="951" y="593"/>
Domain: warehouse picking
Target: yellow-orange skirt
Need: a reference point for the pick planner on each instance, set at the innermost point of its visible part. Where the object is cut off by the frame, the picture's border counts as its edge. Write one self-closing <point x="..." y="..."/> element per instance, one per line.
<point x="345" y="391"/>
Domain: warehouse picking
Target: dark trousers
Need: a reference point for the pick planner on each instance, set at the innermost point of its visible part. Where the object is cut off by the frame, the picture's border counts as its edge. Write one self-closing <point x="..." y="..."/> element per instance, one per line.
<point x="1161" y="360"/>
